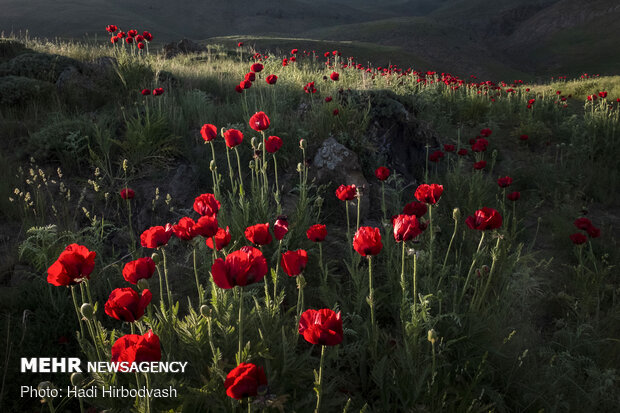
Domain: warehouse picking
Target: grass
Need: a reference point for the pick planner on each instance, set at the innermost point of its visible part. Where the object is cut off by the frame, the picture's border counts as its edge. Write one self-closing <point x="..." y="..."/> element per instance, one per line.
<point x="533" y="328"/>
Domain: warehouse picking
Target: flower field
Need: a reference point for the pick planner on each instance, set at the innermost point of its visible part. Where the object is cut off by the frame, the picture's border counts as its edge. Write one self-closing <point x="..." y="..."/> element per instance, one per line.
<point x="174" y="210"/>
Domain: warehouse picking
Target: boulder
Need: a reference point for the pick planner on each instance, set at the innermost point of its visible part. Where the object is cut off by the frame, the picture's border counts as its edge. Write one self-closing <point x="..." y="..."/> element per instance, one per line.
<point x="334" y="164"/>
<point x="184" y="46"/>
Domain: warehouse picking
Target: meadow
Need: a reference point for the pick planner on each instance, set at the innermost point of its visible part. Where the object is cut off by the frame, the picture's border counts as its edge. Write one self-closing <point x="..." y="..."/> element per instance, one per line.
<point x="172" y="209"/>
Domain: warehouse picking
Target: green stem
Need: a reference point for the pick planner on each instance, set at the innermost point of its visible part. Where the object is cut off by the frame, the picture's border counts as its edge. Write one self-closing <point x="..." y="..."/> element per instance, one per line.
<point x="275" y="277"/>
<point x="241" y="193"/>
<point x="148" y="387"/>
<point x="240" y="325"/>
<point x="77" y="311"/>
<point x="323" y="268"/>
<point x="319" y="384"/>
<point x="486" y="287"/>
<point x="471" y="268"/>
<point x="163" y="254"/>
<point x="383" y="206"/>
<point x="350" y="241"/>
<point x="402" y="271"/>
<point x="359" y="202"/>
<point x="196" y="276"/>
<point x="230" y="170"/>
<point x="371" y="301"/>
<point x="415" y="279"/>
<point x="216" y="187"/>
<point x="432" y="236"/>
<point x="445" y="260"/>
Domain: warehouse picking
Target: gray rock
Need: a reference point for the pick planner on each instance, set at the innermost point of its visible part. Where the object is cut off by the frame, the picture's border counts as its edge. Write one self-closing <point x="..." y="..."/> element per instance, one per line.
<point x="334" y="165"/>
<point x="184" y="46"/>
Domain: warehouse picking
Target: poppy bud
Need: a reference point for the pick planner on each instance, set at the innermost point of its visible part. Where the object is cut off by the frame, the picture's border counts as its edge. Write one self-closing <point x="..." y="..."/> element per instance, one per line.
<point x="318" y="202"/>
<point x="253" y="141"/>
<point x="44" y="388"/>
<point x="87" y="311"/>
<point x="432" y="336"/>
<point x="212" y="165"/>
<point x="125" y="164"/>
<point x="156" y="258"/>
<point x="302" y="143"/>
<point x="299" y="167"/>
<point x="485" y="269"/>
<point x="204" y="310"/>
<point x="456" y="214"/>
<point x="143" y="284"/>
<point x="77" y="379"/>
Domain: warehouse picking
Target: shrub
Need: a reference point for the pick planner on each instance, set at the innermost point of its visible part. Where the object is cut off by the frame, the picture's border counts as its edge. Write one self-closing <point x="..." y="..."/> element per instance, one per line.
<point x="40" y="66"/>
<point x="18" y="90"/>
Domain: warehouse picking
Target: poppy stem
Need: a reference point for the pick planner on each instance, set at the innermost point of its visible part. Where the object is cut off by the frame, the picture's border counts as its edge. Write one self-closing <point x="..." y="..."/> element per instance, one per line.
<point x="148" y="387"/>
<point x="346" y="207"/>
<point x="300" y="297"/>
<point x="196" y="276"/>
<point x="486" y="287"/>
<point x="275" y="275"/>
<point x="239" y="353"/>
<point x="402" y="271"/>
<point x="471" y="268"/>
<point x="415" y="279"/>
<point x="319" y="383"/>
<point x="163" y="253"/>
<point x="359" y="201"/>
<point x="383" y="206"/>
<point x="77" y="311"/>
<point x="275" y="169"/>
<point x="216" y="186"/>
<point x="445" y="260"/>
<point x="371" y="303"/>
<point x="230" y="170"/>
<point x="323" y="268"/>
<point x="241" y="194"/>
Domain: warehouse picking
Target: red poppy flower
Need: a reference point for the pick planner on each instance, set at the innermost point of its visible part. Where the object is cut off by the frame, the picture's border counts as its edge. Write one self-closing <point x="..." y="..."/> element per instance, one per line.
<point x="242" y="267"/>
<point x="146" y="92"/>
<point x="244" y="381"/>
<point x="367" y="241"/>
<point x="73" y="265"/>
<point x="346" y="192"/>
<point x="206" y="226"/>
<point x="406" y="227"/>
<point x="125" y="304"/>
<point x="206" y="204"/>
<point x="294" y="51"/>
<point x="158" y="91"/>
<point x="132" y="33"/>
<point x="259" y="122"/>
<point x="462" y="152"/>
<point x="486" y="132"/>
<point x="483" y="219"/>
<point x="514" y="196"/>
<point x="309" y="88"/>
<point x="134" y="348"/>
<point x="317" y="233"/>
<point x="240" y="44"/>
<point x="147" y="36"/>
<point x="222" y="239"/>
<point x="583" y="223"/>
<point x="382" y="173"/>
<point x="155" y="237"/>
<point x="416" y="208"/>
<point x="435" y="156"/>
<point x="273" y="144"/>
<point x="251" y="76"/>
<point x="294" y="262"/>
<point x="480" y="165"/>
<point x="578" y="238"/>
<point x="524" y="137"/>
<point x="129" y="40"/>
<point x="184" y="229"/>
<point x="139" y="269"/>
<point x="429" y="194"/>
<point x="280" y="228"/>
<point x="328" y="99"/>
<point x="504" y="182"/>
<point x="233" y="137"/>
<point x="271" y="79"/>
<point x="111" y="28"/>
<point x="336" y="112"/>
<point x="284" y="62"/>
<point x="480" y="145"/>
<point x="323" y="327"/>
<point x="449" y="148"/>
<point x="141" y="46"/>
<point x="256" y="67"/>
<point x="208" y="132"/>
<point x="245" y="84"/>
<point x="334" y="76"/>
<point x="121" y="34"/>
<point x="239" y="89"/>
<point x="258" y="234"/>
<point x="114" y="40"/>
<point x="127" y="193"/>
<point x="602" y="94"/>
